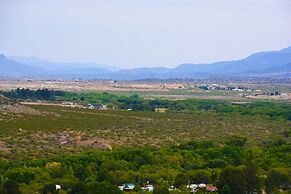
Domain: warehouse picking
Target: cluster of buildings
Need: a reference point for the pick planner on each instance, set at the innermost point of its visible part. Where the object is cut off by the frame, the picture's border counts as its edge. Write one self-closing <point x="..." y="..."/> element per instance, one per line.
<point x="150" y="188"/>
<point x="275" y="93"/>
<point x="97" y="106"/>
<point x="208" y="188"/>
<point x="228" y="88"/>
<point x="88" y="106"/>
<point x="130" y="186"/>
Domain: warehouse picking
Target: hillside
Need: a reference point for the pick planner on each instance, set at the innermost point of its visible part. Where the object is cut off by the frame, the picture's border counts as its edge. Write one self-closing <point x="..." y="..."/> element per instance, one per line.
<point x="278" y="69"/>
<point x="5" y="101"/>
<point x="8" y="107"/>
<point x="12" y="68"/>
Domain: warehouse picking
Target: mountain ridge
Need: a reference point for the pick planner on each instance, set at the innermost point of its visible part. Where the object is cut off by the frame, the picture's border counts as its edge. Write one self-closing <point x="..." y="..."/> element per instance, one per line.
<point x="261" y="63"/>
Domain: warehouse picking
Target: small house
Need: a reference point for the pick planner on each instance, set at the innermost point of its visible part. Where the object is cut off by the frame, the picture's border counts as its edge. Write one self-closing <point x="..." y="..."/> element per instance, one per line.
<point x="161" y="110"/>
<point x="210" y="188"/>
<point x="126" y="187"/>
<point x="149" y="188"/>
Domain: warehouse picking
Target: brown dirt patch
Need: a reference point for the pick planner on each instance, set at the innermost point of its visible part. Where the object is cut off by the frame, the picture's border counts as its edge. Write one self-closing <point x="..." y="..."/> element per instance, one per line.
<point x="94" y="143"/>
<point x="18" y="109"/>
<point x="3" y="147"/>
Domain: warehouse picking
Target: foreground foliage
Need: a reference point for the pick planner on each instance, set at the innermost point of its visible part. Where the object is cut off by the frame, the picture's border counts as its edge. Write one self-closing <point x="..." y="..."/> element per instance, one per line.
<point x="232" y="167"/>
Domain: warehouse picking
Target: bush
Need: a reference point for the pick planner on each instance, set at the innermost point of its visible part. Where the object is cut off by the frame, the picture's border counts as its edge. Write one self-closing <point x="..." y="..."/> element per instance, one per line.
<point x="11" y="187"/>
<point x="161" y="189"/>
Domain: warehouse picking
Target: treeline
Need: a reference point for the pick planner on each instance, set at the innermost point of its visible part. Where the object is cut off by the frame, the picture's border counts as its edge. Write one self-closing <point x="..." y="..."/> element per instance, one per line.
<point x="137" y="103"/>
<point x="232" y="167"/>
<point x="270" y="109"/>
<point x="40" y="94"/>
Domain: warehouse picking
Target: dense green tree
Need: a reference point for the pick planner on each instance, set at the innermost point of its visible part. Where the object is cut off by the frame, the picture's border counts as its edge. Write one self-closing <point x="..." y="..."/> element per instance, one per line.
<point x="81" y="172"/>
<point x="20" y="176"/>
<point x="276" y="178"/>
<point x="174" y="165"/>
<point x="216" y="163"/>
<point x="161" y="189"/>
<point x="49" y="188"/>
<point x="101" y="188"/>
<point x="11" y="187"/>
<point x="235" y="178"/>
<point x="180" y="180"/>
<point x="253" y="182"/>
<point x="236" y="141"/>
<point x="199" y="176"/>
<point x="225" y="190"/>
<point x="77" y="188"/>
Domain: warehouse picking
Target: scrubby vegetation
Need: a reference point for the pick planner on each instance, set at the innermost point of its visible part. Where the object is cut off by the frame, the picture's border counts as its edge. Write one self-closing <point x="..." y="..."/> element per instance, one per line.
<point x="240" y="148"/>
<point x="61" y="129"/>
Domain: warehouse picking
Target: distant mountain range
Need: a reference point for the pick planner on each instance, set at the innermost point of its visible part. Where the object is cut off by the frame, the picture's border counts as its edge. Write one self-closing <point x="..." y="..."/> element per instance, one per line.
<point x="272" y="63"/>
<point x="48" y="65"/>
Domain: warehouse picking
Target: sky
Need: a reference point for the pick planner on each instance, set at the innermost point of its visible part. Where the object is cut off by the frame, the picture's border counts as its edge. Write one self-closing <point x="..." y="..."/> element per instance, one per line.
<point x="143" y="33"/>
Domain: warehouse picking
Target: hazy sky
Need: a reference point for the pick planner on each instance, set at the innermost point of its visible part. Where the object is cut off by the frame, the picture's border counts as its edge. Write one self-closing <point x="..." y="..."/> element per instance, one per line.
<point x="135" y="33"/>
